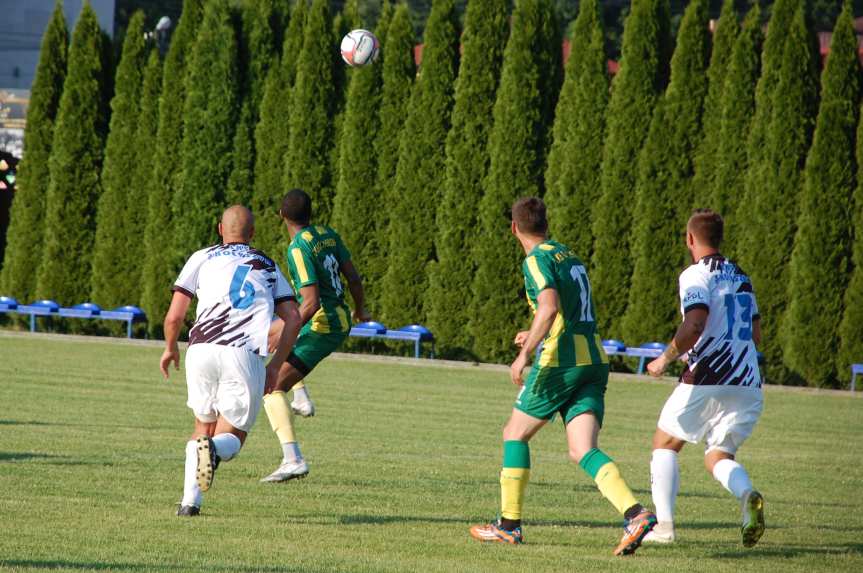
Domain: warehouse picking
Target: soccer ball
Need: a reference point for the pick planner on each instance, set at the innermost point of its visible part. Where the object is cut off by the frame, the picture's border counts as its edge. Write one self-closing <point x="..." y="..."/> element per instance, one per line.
<point x="360" y="47"/>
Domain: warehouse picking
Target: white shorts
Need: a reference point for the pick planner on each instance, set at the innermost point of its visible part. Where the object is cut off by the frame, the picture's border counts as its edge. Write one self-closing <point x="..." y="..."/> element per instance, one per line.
<point x="225" y="381"/>
<point x="724" y="416"/>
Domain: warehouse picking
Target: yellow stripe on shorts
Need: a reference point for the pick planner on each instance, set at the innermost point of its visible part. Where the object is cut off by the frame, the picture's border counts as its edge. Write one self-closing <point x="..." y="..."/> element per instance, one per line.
<point x="320" y="322"/>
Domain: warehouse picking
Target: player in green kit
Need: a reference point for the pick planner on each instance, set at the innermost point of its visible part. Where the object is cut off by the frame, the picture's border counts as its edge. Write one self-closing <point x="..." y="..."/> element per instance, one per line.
<point x="568" y="378"/>
<point x="316" y="260"/>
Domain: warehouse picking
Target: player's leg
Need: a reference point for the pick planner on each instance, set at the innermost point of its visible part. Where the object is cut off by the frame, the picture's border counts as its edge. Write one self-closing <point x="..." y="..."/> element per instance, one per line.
<point x="302" y="404"/>
<point x="531" y="411"/>
<point x="278" y="409"/>
<point x="514" y="476"/>
<point x="201" y="383"/>
<point x="732" y="425"/>
<point x="664" y="484"/>
<point x="583" y="418"/>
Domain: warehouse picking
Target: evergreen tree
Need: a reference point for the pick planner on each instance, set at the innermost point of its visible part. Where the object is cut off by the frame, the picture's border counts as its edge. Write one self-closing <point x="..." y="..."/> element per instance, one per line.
<point x="420" y="171"/>
<point x="25" y="232"/>
<point x="851" y="327"/>
<point x="356" y="197"/>
<point x="272" y="137"/>
<point x="724" y="37"/>
<point x="573" y="176"/>
<point x="398" y="71"/>
<point x="517" y="147"/>
<point x="312" y="111"/>
<point x="738" y="109"/>
<point x="820" y="266"/>
<point x="161" y="264"/>
<point x="345" y="21"/>
<point x="664" y="189"/>
<point x="137" y="205"/>
<point x="776" y="206"/>
<point x="467" y="160"/>
<point x="744" y="226"/>
<point x="257" y="55"/>
<point x="634" y="91"/>
<point x="75" y="164"/>
<point x="210" y="116"/>
<point x="113" y="281"/>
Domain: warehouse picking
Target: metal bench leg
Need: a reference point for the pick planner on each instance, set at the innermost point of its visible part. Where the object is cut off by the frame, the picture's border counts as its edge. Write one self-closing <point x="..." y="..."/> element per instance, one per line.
<point x="640" y="365"/>
<point x="853" y="381"/>
<point x="416" y="349"/>
<point x="32" y="323"/>
<point x="129" y="329"/>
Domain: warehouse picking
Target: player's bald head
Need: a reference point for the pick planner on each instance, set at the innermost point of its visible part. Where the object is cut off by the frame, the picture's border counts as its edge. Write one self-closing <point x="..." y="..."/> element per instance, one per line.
<point x="707" y="227"/>
<point x="237" y="224"/>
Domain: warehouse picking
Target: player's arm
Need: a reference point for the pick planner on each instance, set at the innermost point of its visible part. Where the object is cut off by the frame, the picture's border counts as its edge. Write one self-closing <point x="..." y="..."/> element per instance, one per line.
<point x="355" y="285"/>
<point x="546" y="311"/>
<point x="756" y="331"/>
<point x="289" y="314"/>
<point x="688" y="333"/>
<point x="173" y="323"/>
<point x="310" y="305"/>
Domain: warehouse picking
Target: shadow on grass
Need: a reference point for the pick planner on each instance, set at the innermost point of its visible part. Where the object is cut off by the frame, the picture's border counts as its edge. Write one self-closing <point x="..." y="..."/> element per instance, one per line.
<point x="47" y="459"/>
<point x="761" y="552"/>
<point x="24" y="423"/>
<point x="61" y="565"/>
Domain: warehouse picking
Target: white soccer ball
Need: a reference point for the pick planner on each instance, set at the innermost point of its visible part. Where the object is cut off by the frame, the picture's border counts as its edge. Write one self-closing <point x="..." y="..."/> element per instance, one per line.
<point x="360" y="47"/>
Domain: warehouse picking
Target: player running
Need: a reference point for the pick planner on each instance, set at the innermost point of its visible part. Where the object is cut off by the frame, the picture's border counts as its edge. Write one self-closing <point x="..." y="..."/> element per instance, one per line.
<point x="316" y="258"/>
<point x="719" y="395"/>
<point x="569" y="377"/>
<point x="238" y="288"/>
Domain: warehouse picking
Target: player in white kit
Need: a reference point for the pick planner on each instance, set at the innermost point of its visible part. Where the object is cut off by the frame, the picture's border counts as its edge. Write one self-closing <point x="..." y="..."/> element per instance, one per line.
<point x="238" y="288"/>
<point x="719" y="397"/>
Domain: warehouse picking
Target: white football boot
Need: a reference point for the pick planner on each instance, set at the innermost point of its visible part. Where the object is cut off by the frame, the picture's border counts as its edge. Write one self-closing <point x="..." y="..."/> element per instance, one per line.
<point x="288" y="471"/>
<point x="662" y="533"/>
<point x="305" y="408"/>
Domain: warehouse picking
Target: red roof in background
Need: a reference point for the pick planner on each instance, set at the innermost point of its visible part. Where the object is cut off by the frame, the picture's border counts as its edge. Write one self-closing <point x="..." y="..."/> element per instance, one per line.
<point x="613" y="66"/>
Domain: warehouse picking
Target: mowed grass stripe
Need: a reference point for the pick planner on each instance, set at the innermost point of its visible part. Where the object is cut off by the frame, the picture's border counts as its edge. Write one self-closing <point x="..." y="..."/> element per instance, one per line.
<point x="403" y="458"/>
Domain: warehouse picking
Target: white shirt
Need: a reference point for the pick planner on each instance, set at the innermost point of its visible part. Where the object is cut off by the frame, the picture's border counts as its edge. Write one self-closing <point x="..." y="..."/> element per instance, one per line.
<point x="237" y="288"/>
<point x="725" y="353"/>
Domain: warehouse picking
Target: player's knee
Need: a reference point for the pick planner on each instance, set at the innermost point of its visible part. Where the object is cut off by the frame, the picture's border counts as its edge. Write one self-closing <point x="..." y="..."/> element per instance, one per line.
<point x="576" y="453"/>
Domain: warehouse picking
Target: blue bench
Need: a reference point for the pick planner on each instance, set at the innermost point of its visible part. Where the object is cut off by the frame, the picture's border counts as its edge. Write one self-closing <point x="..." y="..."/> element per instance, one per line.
<point x="86" y="310"/>
<point x="855" y="370"/>
<point x="413" y="333"/>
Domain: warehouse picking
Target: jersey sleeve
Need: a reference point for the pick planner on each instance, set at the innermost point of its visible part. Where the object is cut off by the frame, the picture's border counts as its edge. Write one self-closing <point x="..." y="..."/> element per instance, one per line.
<point x="187" y="282"/>
<point x="302" y="266"/>
<point x="694" y="290"/>
<point x="538" y="274"/>
<point x="281" y="289"/>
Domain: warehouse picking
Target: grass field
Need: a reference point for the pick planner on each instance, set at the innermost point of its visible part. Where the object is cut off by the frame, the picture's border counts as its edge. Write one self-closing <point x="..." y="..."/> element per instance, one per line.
<point x="403" y="459"/>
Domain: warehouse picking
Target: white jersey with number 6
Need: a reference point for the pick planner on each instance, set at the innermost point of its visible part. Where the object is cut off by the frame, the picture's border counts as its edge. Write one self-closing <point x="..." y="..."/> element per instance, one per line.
<point x="725" y="353"/>
<point x="237" y="288"/>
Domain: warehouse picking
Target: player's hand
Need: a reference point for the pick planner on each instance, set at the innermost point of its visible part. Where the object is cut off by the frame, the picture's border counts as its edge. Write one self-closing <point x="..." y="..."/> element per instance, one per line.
<point x="361" y="315"/>
<point x="657" y="367"/>
<point x="171" y="354"/>
<point x="275" y="334"/>
<point x="517" y="368"/>
<point x="272" y="378"/>
<point x="521" y="337"/>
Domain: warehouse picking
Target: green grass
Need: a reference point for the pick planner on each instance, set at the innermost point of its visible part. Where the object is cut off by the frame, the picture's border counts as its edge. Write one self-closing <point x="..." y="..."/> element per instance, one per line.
<point x="403" y="459"/>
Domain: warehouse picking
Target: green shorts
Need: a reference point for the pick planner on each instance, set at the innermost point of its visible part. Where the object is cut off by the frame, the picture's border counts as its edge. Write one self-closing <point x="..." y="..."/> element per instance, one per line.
<point x="568" y="391"/>
<point x="312" y="347"/>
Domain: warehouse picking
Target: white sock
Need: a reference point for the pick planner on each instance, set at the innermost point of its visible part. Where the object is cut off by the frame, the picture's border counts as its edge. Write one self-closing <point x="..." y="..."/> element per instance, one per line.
<point x="227" y="446"/>
<point x="664" y="483"/>
<point x="291" y="453"/>
<point x="733" y="477"/>
<point x="191" y="492"/>
<point x="300" y="395"/>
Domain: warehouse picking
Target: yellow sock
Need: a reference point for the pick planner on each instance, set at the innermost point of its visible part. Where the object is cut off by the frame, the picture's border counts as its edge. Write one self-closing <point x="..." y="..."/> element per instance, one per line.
<point x="614" y="488"/>
<point x="513" y="482"/>
<point x="299" y="386"/>
<point x="279" y="413"/>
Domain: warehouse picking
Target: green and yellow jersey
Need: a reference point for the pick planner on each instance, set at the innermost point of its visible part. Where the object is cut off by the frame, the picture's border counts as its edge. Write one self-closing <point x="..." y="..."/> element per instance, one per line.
<point x="572" y="340"/>
<point x="315" y="256"/>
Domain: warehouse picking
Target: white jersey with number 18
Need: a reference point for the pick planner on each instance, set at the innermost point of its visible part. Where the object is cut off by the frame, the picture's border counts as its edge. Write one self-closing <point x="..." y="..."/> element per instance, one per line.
<point x="237" y="288"/>
<point x="725" y="353"/>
